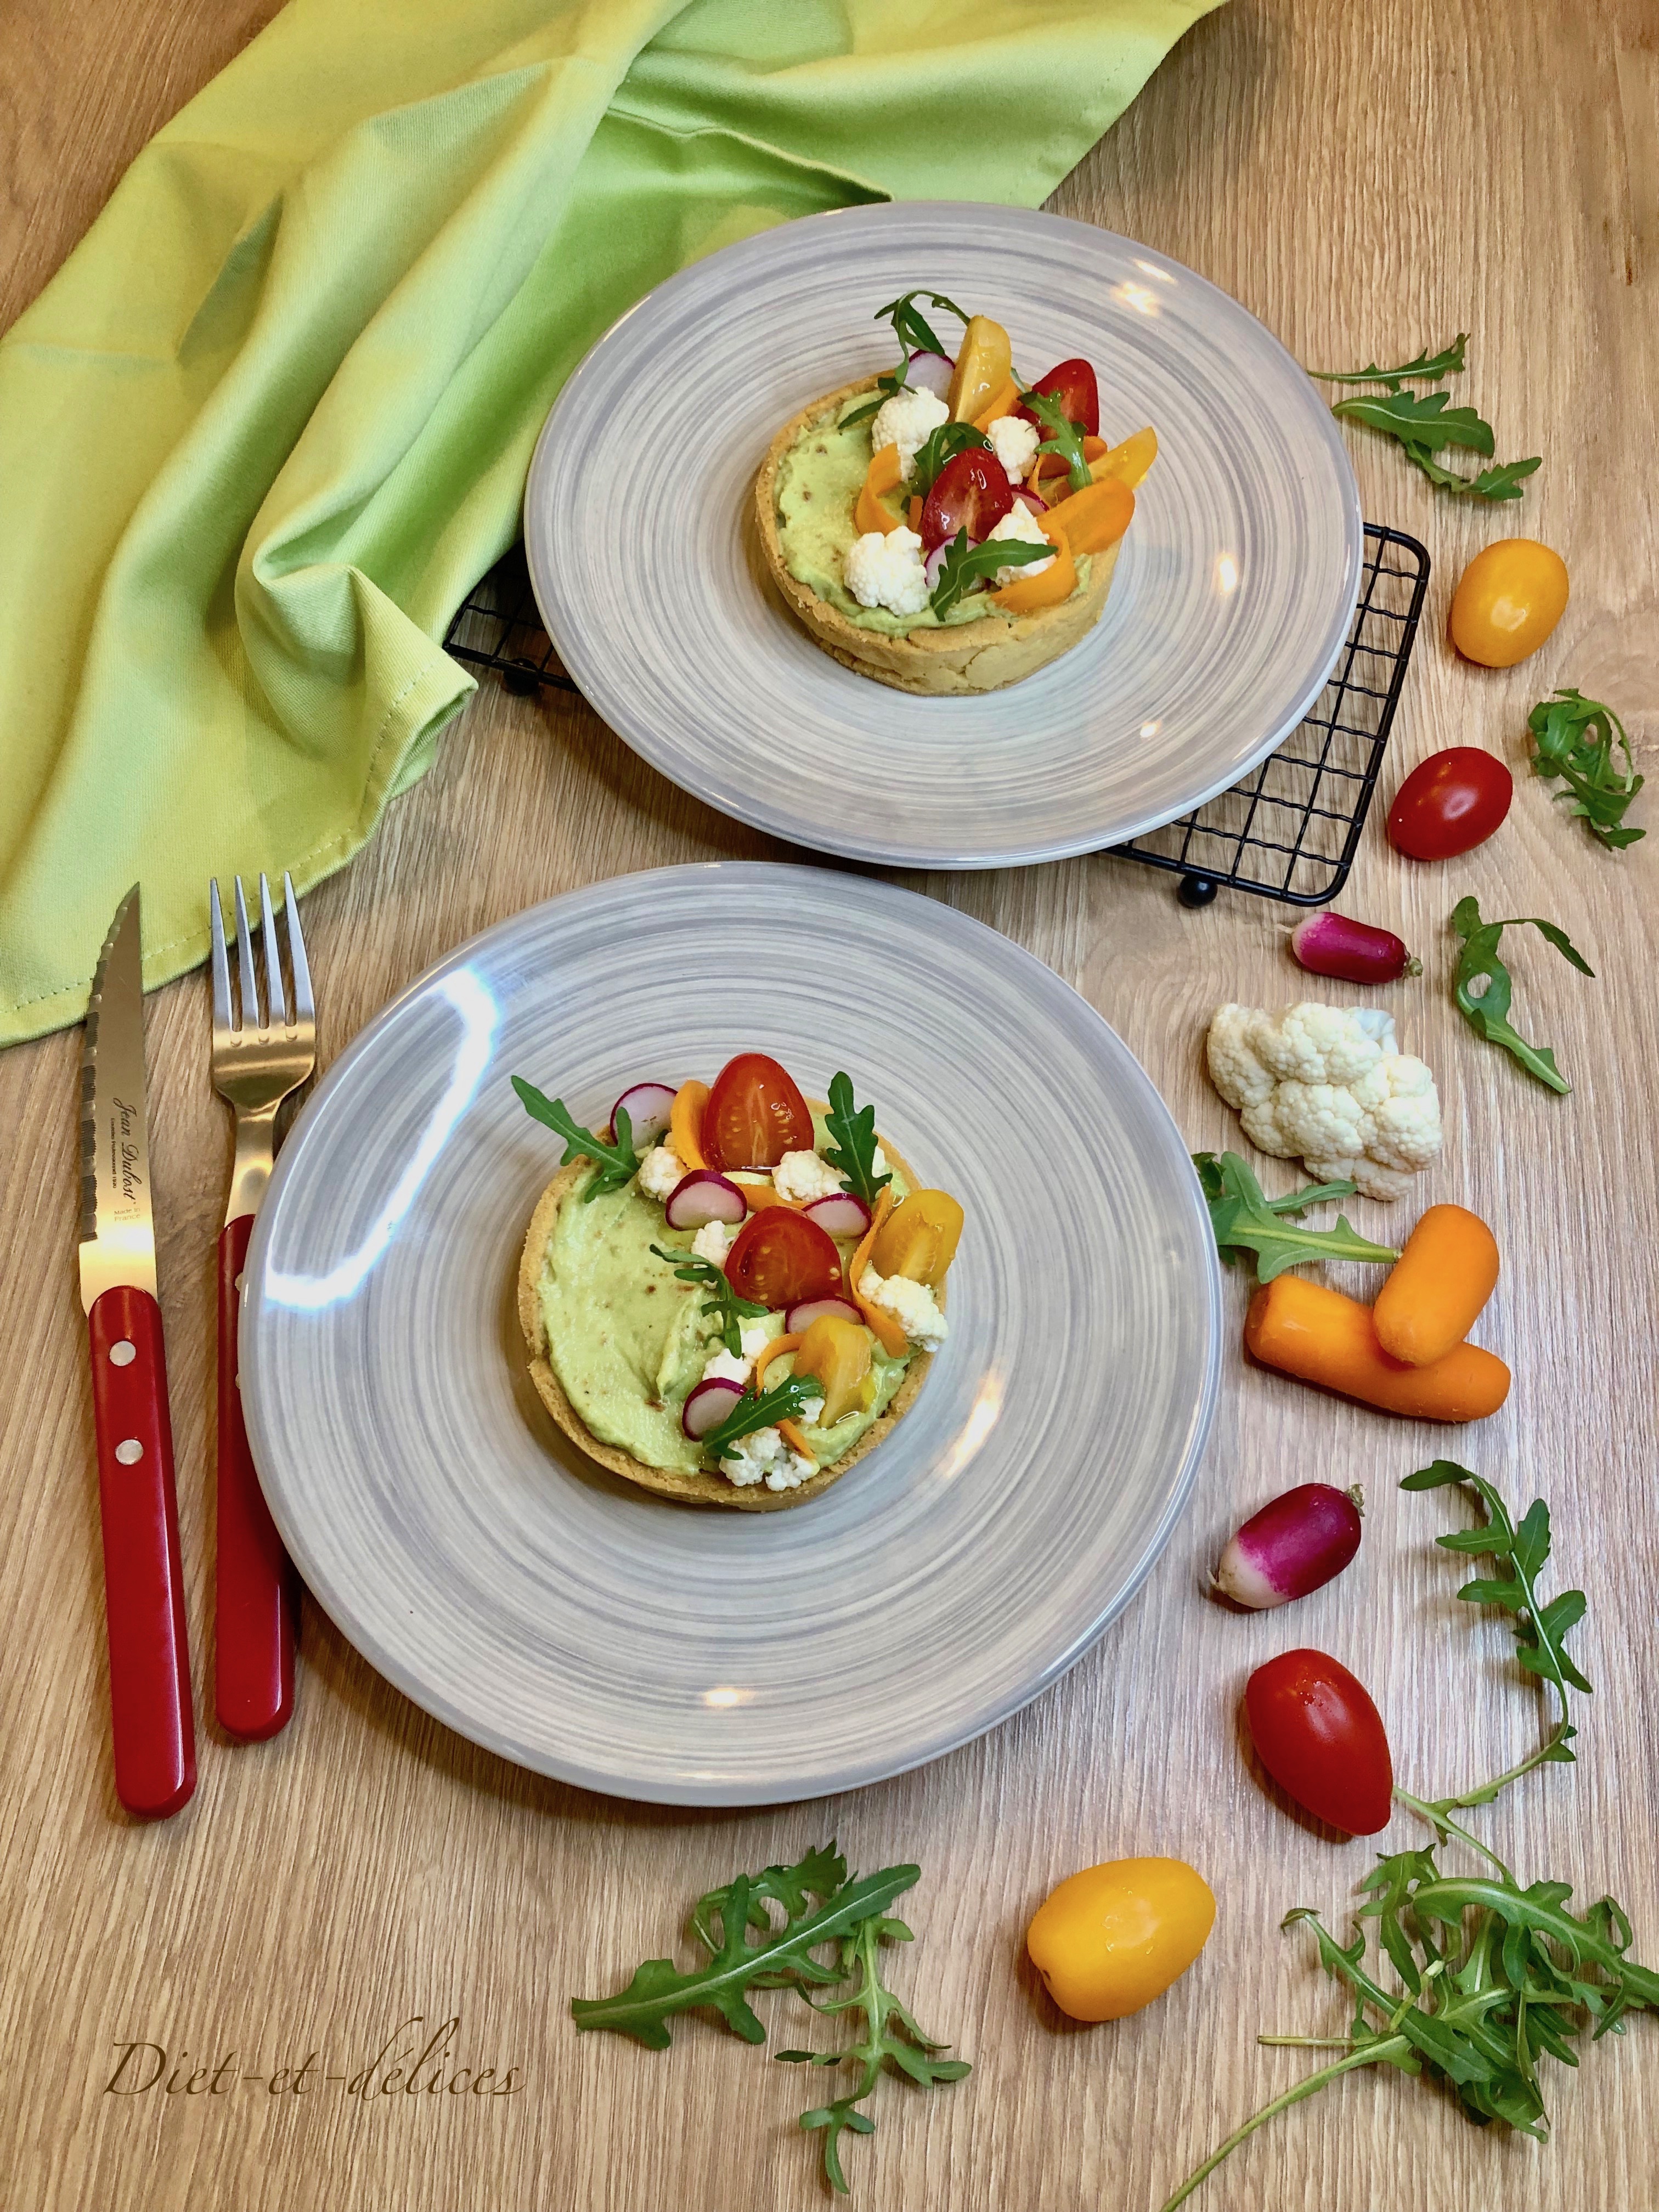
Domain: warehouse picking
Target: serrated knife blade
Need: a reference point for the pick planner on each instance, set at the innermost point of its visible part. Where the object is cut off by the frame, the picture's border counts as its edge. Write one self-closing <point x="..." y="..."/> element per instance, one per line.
<point x="152" y="1718"/>
<point x="117" y="1223"/>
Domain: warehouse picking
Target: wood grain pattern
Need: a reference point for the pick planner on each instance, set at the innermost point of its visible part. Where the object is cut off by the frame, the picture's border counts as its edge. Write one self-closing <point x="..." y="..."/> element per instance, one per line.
<point x="1360" y="178"/>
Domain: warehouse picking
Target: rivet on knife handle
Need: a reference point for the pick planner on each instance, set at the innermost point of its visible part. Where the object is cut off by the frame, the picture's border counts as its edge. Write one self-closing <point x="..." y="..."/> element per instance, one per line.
<point x="257" y="1589"/>
<point x="153" y="1725"/>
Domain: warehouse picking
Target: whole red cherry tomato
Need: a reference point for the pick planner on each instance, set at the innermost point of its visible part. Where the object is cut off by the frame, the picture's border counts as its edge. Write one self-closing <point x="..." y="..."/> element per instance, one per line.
<point x="972" y="492"/>
<point x="1450" y="804"/>
<point x="1072" y="383"/>
<point x="754" y="1115"/>
<point x="1319" y="1736"/>
<point x="779" y="1256"/>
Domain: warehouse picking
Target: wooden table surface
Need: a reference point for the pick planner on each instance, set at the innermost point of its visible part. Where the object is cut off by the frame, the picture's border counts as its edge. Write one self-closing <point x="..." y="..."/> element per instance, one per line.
<point x="1364" y="178"/>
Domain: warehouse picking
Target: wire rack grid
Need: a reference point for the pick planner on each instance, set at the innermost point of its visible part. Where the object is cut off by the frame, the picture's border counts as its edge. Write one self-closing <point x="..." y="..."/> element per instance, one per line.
<point x="1288" y="831"/>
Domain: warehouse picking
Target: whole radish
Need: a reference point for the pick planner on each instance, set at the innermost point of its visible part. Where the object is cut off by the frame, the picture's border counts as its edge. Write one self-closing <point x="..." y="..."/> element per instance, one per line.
<point x="1292" y="1546"/>
<point x="1330" y="945"/>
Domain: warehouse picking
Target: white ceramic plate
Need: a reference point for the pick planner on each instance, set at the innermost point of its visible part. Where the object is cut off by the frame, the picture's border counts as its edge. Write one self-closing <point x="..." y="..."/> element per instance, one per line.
<point x="1232" y="598"/>
<point x="585" y="1628"/>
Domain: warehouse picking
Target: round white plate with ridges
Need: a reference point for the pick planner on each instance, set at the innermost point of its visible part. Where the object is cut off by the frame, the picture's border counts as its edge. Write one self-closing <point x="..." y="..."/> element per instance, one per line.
<point x="1232" y="597"/>
<point x="585" y="1628"/>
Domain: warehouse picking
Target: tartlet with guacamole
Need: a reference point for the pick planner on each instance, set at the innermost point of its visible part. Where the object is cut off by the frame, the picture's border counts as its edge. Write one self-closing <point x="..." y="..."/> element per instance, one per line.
<point x="946" y="527"/>
<point x="730" y="1295"/>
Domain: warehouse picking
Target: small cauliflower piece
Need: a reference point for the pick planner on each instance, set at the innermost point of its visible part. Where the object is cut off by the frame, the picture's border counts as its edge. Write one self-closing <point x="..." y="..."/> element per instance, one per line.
<point x="912" y="1306"/>
<point x="1019" y="522"/>
<point x="660" y="1171"/>
<point x="723" y="1366"/>
<point x="1330" y="1086"/>
<point x="763" y="1456"/>
<point x="887" y="571"/>
<point x="754" y="1334"/>
<point x="802" y="1176"/>
<point x="1014" y="441"/>
<point x="906" y="421"/>
<point x="713" y="1241"/>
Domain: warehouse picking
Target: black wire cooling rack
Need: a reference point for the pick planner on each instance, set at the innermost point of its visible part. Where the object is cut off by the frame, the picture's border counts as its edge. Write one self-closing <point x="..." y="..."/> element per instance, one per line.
<point x="1289" y="831"/>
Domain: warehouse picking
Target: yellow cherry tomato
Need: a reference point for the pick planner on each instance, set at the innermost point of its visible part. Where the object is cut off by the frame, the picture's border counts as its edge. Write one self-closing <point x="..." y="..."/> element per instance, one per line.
<point x="1509" y="598"/>
<point x="1113" y="1937"/>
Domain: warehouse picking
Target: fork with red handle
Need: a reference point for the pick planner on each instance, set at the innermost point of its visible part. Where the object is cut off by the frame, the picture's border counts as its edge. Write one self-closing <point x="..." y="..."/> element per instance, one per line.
<point x="261" y="1052"/>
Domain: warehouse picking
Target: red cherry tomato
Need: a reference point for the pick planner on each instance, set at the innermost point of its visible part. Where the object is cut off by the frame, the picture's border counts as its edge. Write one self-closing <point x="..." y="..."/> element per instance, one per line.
<point x="972" y="492"/>
<point x="1322" y="1739"/>
<point x="779" y="1257"/>
<point x="754" y="1115"/>
<point x="1450" y="804"/>
<point x="1074" y="384"/>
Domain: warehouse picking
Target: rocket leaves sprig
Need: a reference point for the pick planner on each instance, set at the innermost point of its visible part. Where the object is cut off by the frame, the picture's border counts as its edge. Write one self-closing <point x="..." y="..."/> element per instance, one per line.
<point x="1245" y="1220"/>
<point x="1487" y="1012"/>
<point x="1424" y="423"/>
<point x="614" y="1156"/>
<point x="915" y="334"/>
<point x="1576" y="739"/>
<point x="729" y="1310"/>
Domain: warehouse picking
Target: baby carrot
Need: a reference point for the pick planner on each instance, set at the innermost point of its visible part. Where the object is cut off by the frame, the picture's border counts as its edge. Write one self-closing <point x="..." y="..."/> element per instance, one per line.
<point x="1322" y="1337"/>
<point x="1435" y="1291"/>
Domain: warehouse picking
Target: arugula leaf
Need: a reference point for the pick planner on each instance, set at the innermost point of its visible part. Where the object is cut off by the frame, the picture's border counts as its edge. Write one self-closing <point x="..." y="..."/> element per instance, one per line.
<point x="725" y="1301"/>
<point x="914" y="335"/>
<point x="659" y="1990"/>
<point x="942" y="444"/>
<point x="616" y="1160"/>
<point x="1446" y="362"/>
<point x="1243" y="1219"/>
<point x="1487" y="1013"/>
<point x="1575" y="738"/>
<point x="1064" y="437"/>
<point x="1504" y="481"/>
<point x="1540" y="1628"/>
<point x="819" y="1873"/>
<point x="1419" y="418"/>
<point x="853" y="1153"/>
<point x="783" y="1402"/>
<point x="890" y="2039"/>
<point x="964" y="564"/>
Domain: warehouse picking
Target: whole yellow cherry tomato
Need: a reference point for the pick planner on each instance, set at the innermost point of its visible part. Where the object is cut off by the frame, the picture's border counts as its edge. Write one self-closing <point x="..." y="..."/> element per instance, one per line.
<point x="1113" y="1937"/>
<point x="1508" y="599"/>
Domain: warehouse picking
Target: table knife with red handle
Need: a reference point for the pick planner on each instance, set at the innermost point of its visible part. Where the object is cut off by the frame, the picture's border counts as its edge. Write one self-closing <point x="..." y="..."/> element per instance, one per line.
<point x="151" y="1716"/>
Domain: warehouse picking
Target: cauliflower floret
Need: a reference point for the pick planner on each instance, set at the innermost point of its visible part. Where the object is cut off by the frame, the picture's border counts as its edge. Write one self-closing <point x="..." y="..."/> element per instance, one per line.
<point x="887" y="572"/>
<point x="802" y="1176"/>
<point x="754" y="1334"/>
<point x="660" y="1171"/>
<point x="723" y="1366"/>
<point x="1020" y="522"/>
<point x="713" y="1241"/>
<point x="905" y="420"/>
<point x="1014" y="442"/>
<point x="763" y="1456"/>
<point x="1328" y="1085"/>
<point x="912" y="1306"/>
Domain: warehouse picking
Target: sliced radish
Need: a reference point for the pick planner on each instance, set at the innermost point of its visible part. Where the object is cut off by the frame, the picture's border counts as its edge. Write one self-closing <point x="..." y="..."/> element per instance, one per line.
<point x="842" y="1213"/>
<point x="708" y="1405"/>
<point x="932" y="371"/>
<point x="1034" y="500"/>
<point x="935" y="561"/>
<point x="648" y="1106"/>
<point x="701" y="1197"/>
<point x="800" y="1318"/>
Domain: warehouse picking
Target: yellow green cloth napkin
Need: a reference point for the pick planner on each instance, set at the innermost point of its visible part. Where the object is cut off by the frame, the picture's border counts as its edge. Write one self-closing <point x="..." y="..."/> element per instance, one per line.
<point x="271" y="420"/>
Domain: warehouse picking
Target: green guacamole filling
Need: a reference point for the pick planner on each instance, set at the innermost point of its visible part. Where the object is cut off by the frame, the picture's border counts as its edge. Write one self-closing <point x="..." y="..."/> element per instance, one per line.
<point x="628" y="1341"/>
<point x="818" y="481"/>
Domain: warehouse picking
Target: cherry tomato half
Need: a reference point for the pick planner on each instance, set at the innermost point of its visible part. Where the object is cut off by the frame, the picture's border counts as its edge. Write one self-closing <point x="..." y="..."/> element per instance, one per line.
<point x="1507" y="600"/>
<point x="1450" y="804"/>
<point x="754" y="1115"/>
<point x="1072" y="383"/>
<point x="1319" y="1736"/>
<point x="779" y="1257"/>
<point x="972" y="492"/>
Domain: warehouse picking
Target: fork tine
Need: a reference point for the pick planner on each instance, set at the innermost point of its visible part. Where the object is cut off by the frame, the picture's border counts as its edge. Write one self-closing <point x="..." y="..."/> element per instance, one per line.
<point x="303" y="1008"/>
<point x="220" y="965"/>
<point x="247" y="980"/>
<point x="275" y="997"/>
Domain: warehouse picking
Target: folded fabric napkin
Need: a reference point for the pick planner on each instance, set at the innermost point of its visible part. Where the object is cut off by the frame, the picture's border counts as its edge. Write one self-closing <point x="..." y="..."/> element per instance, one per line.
<point x="271" y="420"/>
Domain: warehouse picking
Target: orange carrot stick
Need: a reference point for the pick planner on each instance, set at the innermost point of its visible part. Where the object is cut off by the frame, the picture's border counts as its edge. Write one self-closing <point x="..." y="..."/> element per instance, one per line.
<point x="768" y="1352"/>
<point x="881" y="1325"/>
<point x="795" y="1438"/>
<point x="1437" y="1288"/>
<point x="1322" y="1337"/>
<point x="883" y="475"/>
<point x="685" y="1123"/>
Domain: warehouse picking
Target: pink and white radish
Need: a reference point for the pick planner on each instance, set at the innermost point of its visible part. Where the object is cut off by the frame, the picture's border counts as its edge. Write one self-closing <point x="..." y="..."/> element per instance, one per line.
<point x="932" y="371"/>
<point x="1291" y="1546"/>
<point x="707" y="1405"/>
<point x="1330" y="945"/>
<point x="648" y="1107"/>
<point x="701" y="1197"/>
<point x="934" y="562"/>
<point x="1034" y="500"/>
<point x="843" y="1213"/>
<point x="800" y="1318"/>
